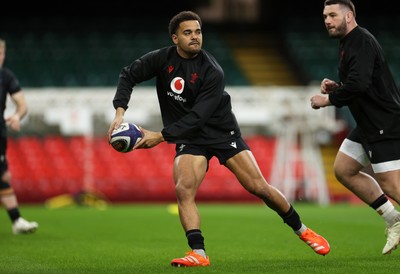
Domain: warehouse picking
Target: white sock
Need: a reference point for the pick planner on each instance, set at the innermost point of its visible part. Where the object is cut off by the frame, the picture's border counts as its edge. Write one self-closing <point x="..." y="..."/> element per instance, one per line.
<point x="200" y="252"/>
<point x="301" y="230"/>
<point x="389" y="213"/>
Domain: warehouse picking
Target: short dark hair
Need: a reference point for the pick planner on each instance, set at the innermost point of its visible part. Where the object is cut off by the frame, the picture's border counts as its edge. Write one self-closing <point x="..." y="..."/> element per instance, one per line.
<point x="181" y="17"/>
<point x="347" y="3"/>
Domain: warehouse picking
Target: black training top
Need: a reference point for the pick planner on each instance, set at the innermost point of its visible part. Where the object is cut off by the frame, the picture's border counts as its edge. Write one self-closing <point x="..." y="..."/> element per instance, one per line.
<point x="194" y="106"/>
<point x="9" y="84"/>
<point x="367" y="87"/>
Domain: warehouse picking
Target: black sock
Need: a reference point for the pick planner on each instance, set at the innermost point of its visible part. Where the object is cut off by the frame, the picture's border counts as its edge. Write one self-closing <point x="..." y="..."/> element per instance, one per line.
<point x="378" y="202"/>
<point x="14" y="214"/>
<point x="195" y="239"/>
<point x="292" y="219"/>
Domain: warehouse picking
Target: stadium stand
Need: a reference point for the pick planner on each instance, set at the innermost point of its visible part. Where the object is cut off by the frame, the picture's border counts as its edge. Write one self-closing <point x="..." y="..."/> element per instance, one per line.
<point x="75" y="59"/>
<point x="261" y="59"/>
<point x="316" y="53"/>
<point x="66" y="161"/>
<point x="56" y="165"/>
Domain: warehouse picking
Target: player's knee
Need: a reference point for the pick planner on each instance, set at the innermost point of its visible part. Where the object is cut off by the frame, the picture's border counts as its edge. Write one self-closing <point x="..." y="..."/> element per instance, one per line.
<point x="185" y="191"/>
<point x="6" y="177"/>
<point x="344" y="174"/>
<point x="338" y="173"/>
<point x="260" y="189"/>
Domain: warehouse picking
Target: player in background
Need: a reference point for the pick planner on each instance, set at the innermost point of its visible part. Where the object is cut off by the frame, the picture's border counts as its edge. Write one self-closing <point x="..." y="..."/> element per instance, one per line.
<point x="197" y="117"/>
<point x="10" y="85"/>
<point x="367" y="87"/>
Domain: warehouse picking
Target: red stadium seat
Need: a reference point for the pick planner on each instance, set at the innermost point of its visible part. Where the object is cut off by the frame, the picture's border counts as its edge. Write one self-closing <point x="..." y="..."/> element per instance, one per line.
<point x="55" y="165"/>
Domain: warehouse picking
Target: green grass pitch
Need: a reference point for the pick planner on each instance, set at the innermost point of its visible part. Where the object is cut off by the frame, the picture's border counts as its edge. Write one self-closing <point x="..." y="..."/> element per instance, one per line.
<point x="240" y="238"/>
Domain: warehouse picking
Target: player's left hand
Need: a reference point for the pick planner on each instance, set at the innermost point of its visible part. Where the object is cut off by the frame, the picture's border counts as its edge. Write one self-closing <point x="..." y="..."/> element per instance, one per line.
<point x="327" y="86"/>
<point x="150" y="139"/>
<point x="14" y="121"/>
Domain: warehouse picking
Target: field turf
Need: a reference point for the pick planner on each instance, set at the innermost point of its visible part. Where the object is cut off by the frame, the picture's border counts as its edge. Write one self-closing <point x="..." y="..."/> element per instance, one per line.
<point x="240" y="238"/>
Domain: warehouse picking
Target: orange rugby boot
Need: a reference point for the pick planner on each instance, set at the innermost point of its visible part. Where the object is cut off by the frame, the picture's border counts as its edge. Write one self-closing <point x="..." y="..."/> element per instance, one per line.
<point x="316" y="242"/>
<point x="191" y="259"/>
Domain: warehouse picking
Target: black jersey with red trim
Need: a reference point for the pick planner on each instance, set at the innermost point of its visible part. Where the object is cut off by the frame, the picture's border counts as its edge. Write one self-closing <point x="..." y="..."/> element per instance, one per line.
<point x="195" y="107"/>
<point x="9" y="84"/>
<point x="367" y="86"/>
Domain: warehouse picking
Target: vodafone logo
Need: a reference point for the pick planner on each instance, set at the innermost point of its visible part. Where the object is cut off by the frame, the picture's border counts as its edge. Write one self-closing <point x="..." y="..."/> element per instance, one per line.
<point x="177" y="85"/>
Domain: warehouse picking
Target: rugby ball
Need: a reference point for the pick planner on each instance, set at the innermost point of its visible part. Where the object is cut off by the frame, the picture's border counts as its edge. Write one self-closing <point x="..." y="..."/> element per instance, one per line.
<point x="125" y="137"/>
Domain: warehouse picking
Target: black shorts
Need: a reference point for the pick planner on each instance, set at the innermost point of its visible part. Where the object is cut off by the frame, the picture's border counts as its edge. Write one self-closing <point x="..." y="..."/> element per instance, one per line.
<point x="383" y="155"/>
<point x="3" y="156"/>
<point x="223" y="151"/>
<point x="377" y="152"/>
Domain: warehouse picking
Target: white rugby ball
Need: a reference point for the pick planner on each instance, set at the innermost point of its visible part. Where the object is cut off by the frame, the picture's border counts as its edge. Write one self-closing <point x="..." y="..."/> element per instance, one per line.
<point x="125" y="137"/>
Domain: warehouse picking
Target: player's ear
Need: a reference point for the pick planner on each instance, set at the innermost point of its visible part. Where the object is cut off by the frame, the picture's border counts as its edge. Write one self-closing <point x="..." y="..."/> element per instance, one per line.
<point x="174" y="38"/>
<point x="349" y="16"/>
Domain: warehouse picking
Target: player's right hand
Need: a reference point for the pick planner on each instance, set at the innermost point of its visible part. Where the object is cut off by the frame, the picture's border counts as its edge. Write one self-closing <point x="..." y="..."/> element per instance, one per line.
<point x="118" y="119"/>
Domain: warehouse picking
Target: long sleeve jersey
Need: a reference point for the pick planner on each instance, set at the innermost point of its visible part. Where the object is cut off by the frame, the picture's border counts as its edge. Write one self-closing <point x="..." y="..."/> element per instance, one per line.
<point x="9" y="84"/>
<point x="367" y="86"/>
<point x="194" y="105"/>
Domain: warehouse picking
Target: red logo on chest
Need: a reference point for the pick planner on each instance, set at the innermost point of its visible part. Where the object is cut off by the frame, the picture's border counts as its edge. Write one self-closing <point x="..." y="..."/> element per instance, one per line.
<point x="194" y="78"/>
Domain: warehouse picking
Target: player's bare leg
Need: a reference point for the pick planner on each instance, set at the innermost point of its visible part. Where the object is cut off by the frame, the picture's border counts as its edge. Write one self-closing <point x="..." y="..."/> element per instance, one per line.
<point x="389" y="182"/>
<point x="189" y="172"/>
<point x="246" y="169"/>
<point x="348" y="172"/>
<point x="9" y="200"/>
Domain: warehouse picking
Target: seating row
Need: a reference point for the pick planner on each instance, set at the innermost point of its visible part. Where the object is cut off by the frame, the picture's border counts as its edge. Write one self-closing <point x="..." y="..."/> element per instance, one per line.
<point x="46" y="167"/>
<point x="70" y="59"/>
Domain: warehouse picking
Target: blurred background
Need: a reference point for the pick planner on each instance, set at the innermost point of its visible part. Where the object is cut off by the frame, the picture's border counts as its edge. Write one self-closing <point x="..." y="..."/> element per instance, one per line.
<point x="68" y="55"/>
